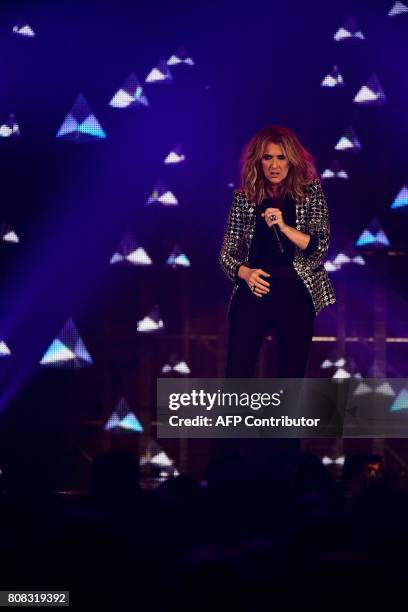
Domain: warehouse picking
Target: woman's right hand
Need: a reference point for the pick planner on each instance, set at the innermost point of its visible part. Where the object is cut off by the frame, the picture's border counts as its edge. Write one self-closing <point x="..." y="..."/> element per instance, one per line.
<point x="254" y="280"/>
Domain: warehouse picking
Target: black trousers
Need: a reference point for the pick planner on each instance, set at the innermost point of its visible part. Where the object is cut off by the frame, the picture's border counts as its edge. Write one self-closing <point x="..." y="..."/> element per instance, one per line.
<point x="287" y="311"/>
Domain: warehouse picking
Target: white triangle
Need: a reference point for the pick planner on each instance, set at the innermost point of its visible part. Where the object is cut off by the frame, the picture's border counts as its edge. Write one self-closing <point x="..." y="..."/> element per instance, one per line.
<point x="161" y="459"/>
<point x="341" y="34"/>
<point x="340" y="374"/>
<point x="182" y="368"/>
<point x="4" y="349"/>
<point x="57" y="352"/>
<point x="397" y="9"/>
<point x="122" y="99"/>
<point x="362" y="389"/>
<point x="329" y="81"/>
<point x="116" y="257"/>
<point x="10" y="237"/>
<point x="344" y="143"/>
<point x="155" y="75"/>
<point x="365" y="95"/>
<point x="5" y="131"/>
<point x="139" y="257"/>
<point x="385" y="389"/>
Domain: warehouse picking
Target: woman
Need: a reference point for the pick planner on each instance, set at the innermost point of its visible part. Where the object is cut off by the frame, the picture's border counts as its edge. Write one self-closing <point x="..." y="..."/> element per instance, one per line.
<point x="276" y="240"/>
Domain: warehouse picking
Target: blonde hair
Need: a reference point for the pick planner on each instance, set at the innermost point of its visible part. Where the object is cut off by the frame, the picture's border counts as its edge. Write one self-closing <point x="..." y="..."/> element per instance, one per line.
<point x="302" y="168"/>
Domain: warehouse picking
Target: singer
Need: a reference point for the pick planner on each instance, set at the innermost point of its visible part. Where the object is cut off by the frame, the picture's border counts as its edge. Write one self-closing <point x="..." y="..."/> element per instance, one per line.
<point x="274" y="247"/>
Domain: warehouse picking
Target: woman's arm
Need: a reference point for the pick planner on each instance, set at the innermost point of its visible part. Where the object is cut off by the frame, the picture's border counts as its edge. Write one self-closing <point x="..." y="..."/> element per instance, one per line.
<point x="315" y="243"/>
<point x="298" y="238"/>
<point x="231" y="254"/>
<point x="273" y="216"/>
<point x="317" y="225"/>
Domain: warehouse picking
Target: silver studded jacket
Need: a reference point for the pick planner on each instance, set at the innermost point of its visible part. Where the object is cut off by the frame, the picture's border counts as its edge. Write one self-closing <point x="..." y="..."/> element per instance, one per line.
<point x="312" y="218"/>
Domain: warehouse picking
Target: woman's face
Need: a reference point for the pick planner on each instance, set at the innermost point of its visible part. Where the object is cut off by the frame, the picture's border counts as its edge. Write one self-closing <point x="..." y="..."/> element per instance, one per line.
<point x="275" y="164"/>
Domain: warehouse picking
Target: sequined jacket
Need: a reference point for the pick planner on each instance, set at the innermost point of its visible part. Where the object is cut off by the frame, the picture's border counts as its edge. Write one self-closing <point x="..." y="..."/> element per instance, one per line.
<point x="311" y="218"/>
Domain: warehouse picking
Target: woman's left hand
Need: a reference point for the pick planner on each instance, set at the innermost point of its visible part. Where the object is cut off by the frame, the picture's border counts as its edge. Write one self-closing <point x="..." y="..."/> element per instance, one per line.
<point x="273" y="216"/>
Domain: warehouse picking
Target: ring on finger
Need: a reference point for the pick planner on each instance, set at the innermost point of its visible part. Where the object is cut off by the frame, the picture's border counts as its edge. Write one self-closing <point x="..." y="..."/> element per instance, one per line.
<point x="253" y="287"/>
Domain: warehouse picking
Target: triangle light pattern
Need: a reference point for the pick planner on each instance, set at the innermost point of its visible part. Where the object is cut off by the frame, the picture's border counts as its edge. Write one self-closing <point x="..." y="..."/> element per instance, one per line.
<point x="333" y="79"/>
<point x="123" y="420"/>
<point x="159" y="74"/>
<point x="130" y="94"/>
<point x="348" y="31"/>
<point x="348" y="142"/>
<point x="67" y="350"/>
<point x="180" y="57"/>
<point x="163" y="196"/>
<point x="4" y="349"/>
<point x="9" y="128"/>
<point x="8" y="235"/>
<point x="130" y="251"/>
<point x="175" y="156"/>
<point x="152" y="322"/>
<point x="175" y="365"/>
<point x="400" y="402"/>
<point x="177" y="259"/>
<point x="81" y="125"/>
<point x="398" y="8"/>
<point x="371" y="93"/>
<point x="373" y="236"/>
<point x="401" y="200"/>
<point x="23" y="29"/>
<point x="335" y="170"/>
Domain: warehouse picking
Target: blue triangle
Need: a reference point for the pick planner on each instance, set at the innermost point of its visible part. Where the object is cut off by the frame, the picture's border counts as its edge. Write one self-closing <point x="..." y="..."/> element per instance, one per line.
<point x="400" y="402"/>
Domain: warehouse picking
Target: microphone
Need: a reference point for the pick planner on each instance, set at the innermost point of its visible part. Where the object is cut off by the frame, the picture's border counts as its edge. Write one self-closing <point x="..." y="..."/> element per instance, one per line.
<point x="277" y="233"/>
<point x="278" y="240"/>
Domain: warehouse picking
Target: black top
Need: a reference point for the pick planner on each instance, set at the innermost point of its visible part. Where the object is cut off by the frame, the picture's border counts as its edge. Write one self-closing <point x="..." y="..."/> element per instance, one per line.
<point x="264" y="251"/>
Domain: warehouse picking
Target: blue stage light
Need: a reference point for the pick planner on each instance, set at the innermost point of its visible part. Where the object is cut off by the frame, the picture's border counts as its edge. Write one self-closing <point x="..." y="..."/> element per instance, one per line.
<point x="177" y="259"/>
<point x="81" y="125"/>
<point x="67" y="350"/>
<point x="348" y="142"/>
<point x="400" y="402"/>
<point x="373" y="236"/>
<point x="123" y="420"/>
<point x="402" y="199"/>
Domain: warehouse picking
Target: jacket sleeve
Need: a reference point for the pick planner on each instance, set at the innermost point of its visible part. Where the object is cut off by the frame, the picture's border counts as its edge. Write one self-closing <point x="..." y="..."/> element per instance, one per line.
<point x="318" y="226"/>
<point x="231" y="254"/>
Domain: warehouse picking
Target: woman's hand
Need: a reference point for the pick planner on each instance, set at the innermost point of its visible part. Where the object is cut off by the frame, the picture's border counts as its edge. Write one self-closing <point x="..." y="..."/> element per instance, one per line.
<point x="273" y="216"/>
<point x="254" y="280"/>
